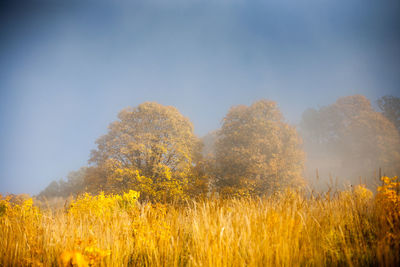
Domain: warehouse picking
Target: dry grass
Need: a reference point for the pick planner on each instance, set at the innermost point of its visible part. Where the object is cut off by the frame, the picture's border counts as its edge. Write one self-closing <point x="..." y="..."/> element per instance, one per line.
<point x="352" y="228"/>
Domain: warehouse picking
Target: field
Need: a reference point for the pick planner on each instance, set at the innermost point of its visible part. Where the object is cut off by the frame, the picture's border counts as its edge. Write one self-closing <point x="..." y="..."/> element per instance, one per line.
<point x="354" y="228"/>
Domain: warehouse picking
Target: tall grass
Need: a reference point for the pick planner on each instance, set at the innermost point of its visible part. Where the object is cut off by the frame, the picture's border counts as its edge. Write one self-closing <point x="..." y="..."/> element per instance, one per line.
<point x="352" y="228"/>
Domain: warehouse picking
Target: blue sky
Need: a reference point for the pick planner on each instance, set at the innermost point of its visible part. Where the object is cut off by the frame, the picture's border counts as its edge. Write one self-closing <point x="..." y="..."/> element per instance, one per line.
<point x="68" y="67"/>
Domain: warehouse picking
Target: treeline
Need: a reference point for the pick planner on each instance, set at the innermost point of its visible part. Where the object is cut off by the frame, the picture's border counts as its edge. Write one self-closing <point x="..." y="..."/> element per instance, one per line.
<point x="151" y="148"/>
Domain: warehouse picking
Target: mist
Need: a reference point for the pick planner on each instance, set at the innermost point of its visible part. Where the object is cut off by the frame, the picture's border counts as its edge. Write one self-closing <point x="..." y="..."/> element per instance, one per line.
<point x="350" y="142"/>
<point x="68" y="68"/>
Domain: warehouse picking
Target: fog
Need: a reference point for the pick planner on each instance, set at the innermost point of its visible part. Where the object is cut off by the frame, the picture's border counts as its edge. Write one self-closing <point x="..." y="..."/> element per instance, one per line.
<point x="350" y="142"/>
<point x="68" y="67"/>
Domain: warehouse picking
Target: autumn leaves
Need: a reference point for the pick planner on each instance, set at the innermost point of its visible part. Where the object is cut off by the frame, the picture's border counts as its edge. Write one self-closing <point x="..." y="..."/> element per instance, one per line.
<point x="152" y="149"/>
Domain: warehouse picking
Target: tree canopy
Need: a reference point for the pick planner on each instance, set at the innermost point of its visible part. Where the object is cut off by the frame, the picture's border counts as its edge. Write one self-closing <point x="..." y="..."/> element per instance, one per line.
<point x="149" y="149"/>
<point x="256" y="151"/>
<point x="351" y="139"/>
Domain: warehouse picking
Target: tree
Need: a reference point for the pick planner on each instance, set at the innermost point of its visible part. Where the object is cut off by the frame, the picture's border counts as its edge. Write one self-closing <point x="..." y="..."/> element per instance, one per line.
<point x="256" y="152"/>
<point x="52" y="190"/>
<point x="199" y="178"/>
<point x="149" y="149"/>
<point x="74" y="184"/>
<point x="390" y="108"/>
<point x="96" y="179"/>
<point x="350" y="139"/>
<point x="209" y="141"/>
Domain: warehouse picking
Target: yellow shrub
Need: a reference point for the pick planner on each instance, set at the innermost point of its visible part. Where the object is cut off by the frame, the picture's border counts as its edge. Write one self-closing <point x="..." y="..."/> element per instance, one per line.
<point x="388" y="210"/>
<point x="388" y="196"/>
<point x="102" y="206"/>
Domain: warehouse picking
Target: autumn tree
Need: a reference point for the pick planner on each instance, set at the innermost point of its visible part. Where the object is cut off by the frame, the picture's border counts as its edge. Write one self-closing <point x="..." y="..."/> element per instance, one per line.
<point x="150" y="149"/>
<point x="96" y="179"/>
<point x="199" y="178"/>
<point x="350" y="139"/>
<point x="73" y="185"/>
<point x="256" y="151"/>
<point x="52" y="190"/>
<point x="390" y="108"/>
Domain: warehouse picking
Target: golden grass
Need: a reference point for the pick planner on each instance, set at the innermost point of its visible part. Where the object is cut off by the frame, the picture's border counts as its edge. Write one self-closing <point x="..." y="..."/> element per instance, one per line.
<point x="352" y="228"/>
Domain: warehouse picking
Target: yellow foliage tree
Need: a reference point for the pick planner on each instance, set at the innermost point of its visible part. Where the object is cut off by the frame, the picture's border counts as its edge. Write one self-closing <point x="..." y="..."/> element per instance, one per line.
<point x="149" y="149"/>
<point x="256" y="152"/>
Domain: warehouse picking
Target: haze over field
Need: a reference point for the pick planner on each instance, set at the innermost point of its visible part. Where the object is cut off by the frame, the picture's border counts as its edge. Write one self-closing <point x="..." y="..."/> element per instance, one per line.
<point x="68" y="67"/>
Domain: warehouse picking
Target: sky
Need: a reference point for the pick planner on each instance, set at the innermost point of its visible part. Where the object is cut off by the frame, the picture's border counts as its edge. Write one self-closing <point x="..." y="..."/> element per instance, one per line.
<point x="68" y="67"/>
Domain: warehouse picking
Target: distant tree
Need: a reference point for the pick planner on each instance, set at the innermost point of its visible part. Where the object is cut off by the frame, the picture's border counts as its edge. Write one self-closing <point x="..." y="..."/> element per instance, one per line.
<point x="199" y="178"/>
<point x="351" y="138"/>
<point x="256" y="151"/>
<point x="73" y="185"/>
<point x="208" y="160"/>
<point x="390" y="108"/>
<point x="209" y="141"/>
<point x="95" y="180"/>
<point x="52" y="190"/>
<point x="149" y="149"/>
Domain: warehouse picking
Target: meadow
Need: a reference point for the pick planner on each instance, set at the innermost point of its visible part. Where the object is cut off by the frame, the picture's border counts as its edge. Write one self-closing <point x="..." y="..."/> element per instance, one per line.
<point x="354" y="227"/>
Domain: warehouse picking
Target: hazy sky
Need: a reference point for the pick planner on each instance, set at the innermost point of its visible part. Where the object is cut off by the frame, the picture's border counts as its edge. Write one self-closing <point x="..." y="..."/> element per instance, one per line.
<point x="68" y="67"/>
